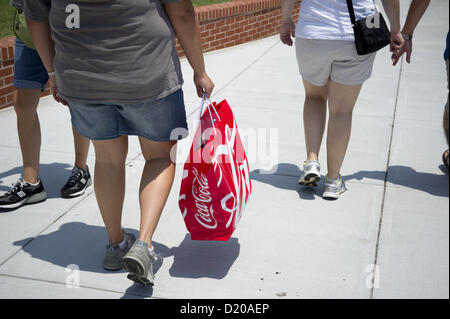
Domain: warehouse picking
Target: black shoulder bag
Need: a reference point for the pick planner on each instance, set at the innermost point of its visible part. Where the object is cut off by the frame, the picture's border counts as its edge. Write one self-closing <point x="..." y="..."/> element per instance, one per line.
<point x="371" y="33"/>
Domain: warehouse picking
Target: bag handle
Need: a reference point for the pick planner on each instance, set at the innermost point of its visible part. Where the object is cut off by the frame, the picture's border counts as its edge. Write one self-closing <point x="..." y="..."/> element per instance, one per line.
<point x="351" y="10"/>
<point x="206" y="99"/>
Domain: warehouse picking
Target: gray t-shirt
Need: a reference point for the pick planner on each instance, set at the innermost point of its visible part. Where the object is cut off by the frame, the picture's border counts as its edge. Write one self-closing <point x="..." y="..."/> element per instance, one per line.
<point x="17" y="4"/>
<point x="123" y="51"/>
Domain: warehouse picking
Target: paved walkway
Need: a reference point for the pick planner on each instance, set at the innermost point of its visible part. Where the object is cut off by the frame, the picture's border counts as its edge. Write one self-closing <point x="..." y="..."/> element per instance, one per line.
<point x="290" y="243"/>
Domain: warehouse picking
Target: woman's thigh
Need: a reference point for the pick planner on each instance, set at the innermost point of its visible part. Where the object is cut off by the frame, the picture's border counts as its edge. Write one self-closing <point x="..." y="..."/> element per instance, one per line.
<point x="111" y="151"/>
<point x="342" y="98"/>
<point x="314" y="91"/>
<point x="152" y="150"/>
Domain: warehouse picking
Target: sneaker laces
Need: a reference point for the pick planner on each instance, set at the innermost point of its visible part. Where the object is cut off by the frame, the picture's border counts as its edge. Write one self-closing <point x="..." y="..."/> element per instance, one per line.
<point x="16" y="187"/>
<point x="77" y="174"/>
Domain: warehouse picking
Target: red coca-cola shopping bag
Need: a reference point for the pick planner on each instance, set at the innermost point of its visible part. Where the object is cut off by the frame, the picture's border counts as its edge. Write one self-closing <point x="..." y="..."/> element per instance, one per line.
<point x="216" y="183"/>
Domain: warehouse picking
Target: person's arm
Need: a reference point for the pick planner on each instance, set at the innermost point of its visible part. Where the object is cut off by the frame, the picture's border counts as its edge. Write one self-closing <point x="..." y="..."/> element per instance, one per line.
<point x="37" y="16"/>
<point x="42" y="40"/>
<point x="415" y="14"/>
<point x="182" y="16"/>
<point x="392" y="8"/>
<point x="287" y="30"/>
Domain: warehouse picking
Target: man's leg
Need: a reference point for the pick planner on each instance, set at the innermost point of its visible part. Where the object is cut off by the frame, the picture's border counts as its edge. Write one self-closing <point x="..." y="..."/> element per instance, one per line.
<point x="81" y="145"/>
<point x="29" y="132"/>
<point x="80" y="178"/>
<point x="31" y="189"/>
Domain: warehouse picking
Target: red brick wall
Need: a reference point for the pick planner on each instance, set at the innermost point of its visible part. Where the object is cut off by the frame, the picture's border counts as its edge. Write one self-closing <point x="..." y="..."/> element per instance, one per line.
<point x="221" y="25"/>
<point x="6" y="71"/>
<point x="232" y="23"/>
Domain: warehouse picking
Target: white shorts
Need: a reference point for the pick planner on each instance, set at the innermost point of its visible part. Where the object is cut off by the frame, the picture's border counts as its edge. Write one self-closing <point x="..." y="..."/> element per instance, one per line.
<point x="322" y="60"/>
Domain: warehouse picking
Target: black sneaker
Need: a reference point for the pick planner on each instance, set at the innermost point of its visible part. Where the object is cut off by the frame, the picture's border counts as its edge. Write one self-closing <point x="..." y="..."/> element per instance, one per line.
<point x="77" y="184"/>
<point x="23" y="193"/>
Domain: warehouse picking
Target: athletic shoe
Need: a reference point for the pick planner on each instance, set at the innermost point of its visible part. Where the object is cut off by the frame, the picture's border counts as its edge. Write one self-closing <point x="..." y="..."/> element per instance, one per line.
<point x="333" y="189"/>
<point x="114" y="255"/>
<point x="139" y="263"/>
<point x="23" y="193"/>
<point x="77" y="184"/>
<point x="311" y="174"/>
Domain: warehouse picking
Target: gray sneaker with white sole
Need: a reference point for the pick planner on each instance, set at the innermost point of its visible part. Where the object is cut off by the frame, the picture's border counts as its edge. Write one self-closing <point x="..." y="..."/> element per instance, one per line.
<point x="311" y="174"/>
<point x="114" y="255"/>
<point x="334" y="189"/>
<point x="139" y="263"/>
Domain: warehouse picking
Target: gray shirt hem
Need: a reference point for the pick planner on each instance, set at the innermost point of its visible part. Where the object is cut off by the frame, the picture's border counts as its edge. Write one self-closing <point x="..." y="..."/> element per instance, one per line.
<point x="122" y="101"/>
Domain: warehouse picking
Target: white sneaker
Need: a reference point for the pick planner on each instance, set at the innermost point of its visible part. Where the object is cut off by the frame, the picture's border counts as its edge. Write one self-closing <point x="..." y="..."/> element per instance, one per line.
<point x="311" y="174"/>
<point x="334" y="189"/>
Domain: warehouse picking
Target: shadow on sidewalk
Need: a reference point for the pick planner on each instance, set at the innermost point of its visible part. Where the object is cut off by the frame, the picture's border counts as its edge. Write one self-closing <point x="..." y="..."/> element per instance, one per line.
<point x="53" y="175"/>
<point x="77" y="243"/>
<point x="433" y="184"/>
<point x="192" y="259"/>
<point x="285" y="175"/>
<point x="204" y="259"/>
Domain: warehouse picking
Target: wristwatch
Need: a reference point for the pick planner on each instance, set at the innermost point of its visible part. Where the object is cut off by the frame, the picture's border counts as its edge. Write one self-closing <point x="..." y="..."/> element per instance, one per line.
<point x="407" y="36"/>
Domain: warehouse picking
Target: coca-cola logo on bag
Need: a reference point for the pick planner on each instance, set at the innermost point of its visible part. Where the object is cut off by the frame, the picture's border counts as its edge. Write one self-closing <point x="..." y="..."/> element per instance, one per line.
<point x="216" y="188"/>
<point x="202" y="196"/>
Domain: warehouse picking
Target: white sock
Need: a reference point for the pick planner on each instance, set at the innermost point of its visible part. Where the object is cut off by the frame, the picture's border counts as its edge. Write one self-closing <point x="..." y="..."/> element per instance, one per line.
<point x="32" y="183"/>
<point x="333" y="181"/>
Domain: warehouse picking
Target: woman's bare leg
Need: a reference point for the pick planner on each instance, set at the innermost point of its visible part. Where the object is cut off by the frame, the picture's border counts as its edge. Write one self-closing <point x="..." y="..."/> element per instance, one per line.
<point x="341" y="102"/>
<point x="109" y="184"/>
<point x="314" y="118"/>
<point x="81" y="145"/>
<point x="156" y="183"/>
<point x="29" y="131"/>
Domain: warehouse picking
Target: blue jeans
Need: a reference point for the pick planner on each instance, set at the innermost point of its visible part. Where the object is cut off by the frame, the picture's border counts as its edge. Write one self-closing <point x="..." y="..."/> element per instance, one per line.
<point x="29" y="71"/>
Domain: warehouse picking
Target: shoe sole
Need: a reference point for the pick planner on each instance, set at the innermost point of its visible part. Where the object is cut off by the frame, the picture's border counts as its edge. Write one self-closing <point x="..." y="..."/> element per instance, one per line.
<point x="333" y="196"/>
<point x="34" y="199"/>
<point x="88" y="183"/>
<point x="136" y="271"/>
<point x="111" y="267"/>
<point x="310" y="180"/>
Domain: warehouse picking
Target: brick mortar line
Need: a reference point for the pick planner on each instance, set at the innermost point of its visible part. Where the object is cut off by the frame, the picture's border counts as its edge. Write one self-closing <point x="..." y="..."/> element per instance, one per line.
<point x="238" y="15"/>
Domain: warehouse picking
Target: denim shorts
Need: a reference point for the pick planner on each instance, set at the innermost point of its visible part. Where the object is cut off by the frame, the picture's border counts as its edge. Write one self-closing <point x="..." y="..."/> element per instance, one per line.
<point x="160" y="120"/>
<point x="29" y="71"/>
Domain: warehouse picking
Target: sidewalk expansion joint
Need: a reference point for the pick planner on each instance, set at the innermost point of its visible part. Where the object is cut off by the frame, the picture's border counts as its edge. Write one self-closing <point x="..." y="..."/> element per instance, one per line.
<point x="380" y="225"/>
<point x="81" y="286"/>
<point x="241" y="73"/>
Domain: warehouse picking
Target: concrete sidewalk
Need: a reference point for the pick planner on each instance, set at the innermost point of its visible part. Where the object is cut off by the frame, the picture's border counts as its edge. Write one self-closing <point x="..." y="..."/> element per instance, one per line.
<point x="393" y="222"/>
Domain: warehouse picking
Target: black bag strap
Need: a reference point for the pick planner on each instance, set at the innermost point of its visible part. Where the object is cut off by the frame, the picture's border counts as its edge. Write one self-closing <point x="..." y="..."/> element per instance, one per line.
<point x="351" y="10"/>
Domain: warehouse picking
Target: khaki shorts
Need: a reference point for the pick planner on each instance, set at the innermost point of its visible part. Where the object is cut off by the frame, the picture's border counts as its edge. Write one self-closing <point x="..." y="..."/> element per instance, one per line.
<point x="322" y="60"/>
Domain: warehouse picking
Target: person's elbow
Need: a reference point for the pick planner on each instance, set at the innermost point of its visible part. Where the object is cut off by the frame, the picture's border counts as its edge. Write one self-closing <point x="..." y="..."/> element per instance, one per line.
<point x="181" y="11"/>
<point x="31" y="23"/>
